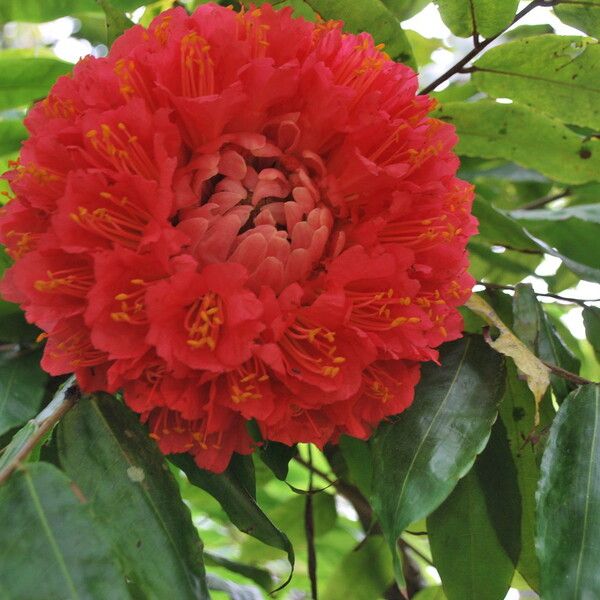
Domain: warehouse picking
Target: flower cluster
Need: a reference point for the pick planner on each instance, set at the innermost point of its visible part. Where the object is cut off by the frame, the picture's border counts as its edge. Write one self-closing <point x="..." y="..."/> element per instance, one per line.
<point x="240" y="216"/>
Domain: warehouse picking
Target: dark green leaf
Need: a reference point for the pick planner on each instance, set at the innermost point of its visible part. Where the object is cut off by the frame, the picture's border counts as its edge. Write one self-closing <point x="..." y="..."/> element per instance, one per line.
<point x="591" y="320"/>
<point x="486" y="17"/>
<point x="108" y="454"/>
<point x="517" y="133"/>
<point x="497" y="477"/>
<point x="517" y="411"/>
<point x="13" y="326"/>
<point x="22" y="385"/>
<point x="581" y="14"/>
<point x="461" y="534"/>
<point x="568" y="500"/>
<point x="25" y="79"/>
<point x="237" y="501"/>
<point x="556" y="74"/>
<point x="421" y="455"/>
<point x="572" y="234"/>
<point x="49" y="542"/>
<point x="363" y="574"/>
<point x="277" y="457"/>
<point x="371" y="16"/>
<point x="536" y="331"/>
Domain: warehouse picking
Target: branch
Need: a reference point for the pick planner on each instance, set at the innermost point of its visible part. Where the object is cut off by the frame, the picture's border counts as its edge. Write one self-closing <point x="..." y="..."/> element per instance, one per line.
<point x="65" y="399"/>
<point x="540" y="202"/>
<point x="579" y="301"/>
<point x="309" y="529"/>
<point x="564" y="374"/>
<point x="481" y="45"/>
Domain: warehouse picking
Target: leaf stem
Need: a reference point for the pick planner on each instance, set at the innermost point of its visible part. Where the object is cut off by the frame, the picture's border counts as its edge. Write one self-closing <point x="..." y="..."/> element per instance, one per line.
<point x="459" y="66"/>
<point x="574" y="378"/>
<point x="67" y="396"/>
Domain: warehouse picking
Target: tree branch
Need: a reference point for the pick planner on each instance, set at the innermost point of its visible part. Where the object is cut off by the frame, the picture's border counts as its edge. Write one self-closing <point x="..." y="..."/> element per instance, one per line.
<point x="481" y="45"/>
<point x="66" y="397"/>
<point x="564" y="374"/>
<point x="540" y="202"/>
<point x="499" y="286"/>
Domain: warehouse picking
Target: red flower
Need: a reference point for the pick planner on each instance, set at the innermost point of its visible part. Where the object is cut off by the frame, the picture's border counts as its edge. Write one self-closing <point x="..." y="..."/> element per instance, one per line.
<point x="240" y="217"/>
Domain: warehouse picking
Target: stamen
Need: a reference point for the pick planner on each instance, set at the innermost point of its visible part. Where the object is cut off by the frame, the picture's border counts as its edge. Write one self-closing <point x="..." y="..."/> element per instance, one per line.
<point x="122" y="150"/>
<point x="197" y="67"/>
<point x="244" y="382"/>
<point x="57" y="107"/>
<point x="124" y="226"/>
<point x="132" y="83"/>
<point x="203" y="321"/>
<point x="312" y="348"/>
<point x="132" y="308"/>
<point x="372" y="311"/>
<point x="72" y="282"/>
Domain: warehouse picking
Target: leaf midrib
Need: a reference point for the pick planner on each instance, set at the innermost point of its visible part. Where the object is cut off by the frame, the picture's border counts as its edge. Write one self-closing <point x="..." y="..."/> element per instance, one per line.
<point x="49" y="534"/>
<point x="422" y="442"/>
<point x="587" y="495"/>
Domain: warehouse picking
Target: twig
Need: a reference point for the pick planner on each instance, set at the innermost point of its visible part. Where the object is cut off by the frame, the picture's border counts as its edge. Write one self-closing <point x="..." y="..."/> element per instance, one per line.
<point x="422" y="556"/>
<point x="65" y="399"/>
<point x="460" y="65"/>
<point x="576" y="379"/>
<point x="540" y="202"/>
<point x="309" y="528"/>
<point x="499" y="286"/>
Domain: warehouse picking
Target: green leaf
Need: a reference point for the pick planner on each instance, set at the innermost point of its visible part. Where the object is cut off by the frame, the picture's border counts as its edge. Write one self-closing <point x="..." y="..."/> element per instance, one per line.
<point x="357" y="456"/>
<point x="363" y="574"/>
<point x="486" y="17"/>
<point x="421" y="455"/>
<point x="523" y="31"/>
<point x="116" y="21"/>
<point x="12" y="133"/>
<point x="556" y="74"/>
<point x="591" y="320"/>
<point x="506" y="267"/>
<point x="289" y="517"/>
<point x="583" y="15"/>
<point x="455" y="92"/>
<point x="434" y="592"/>
<point x="13" y="325"/>
<point x="136" y="500"/>
<point x="261" y="576"/>
<point x="48" y="10"/>
<point x="461" y="535"/>
<point x="518" y="133"/>
<point x="568" y="500"/>
<point x="372" y="16"/>
<point x="517" y="411"/>
<point x="572" y="234"/>
<point x="405" y="9"/>
<point x="499" y="229"/>
<point x="22" y="385"/>
<point x="237" y="501"/>
<point x="25" y="79"/>
<point x="423" y="47"/>
<point x="49" y="542"/>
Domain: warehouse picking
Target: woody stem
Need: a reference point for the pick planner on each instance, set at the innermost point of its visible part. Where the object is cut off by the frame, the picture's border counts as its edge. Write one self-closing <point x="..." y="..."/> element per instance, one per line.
<point x="18" y="450"/>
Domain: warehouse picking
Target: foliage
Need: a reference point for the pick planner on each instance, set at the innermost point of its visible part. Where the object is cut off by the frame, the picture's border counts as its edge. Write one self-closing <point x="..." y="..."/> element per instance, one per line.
<point x="492" y="485"/>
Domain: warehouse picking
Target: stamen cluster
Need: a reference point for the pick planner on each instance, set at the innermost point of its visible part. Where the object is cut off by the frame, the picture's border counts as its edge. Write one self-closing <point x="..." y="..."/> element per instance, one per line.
<point x="240" y="217"/>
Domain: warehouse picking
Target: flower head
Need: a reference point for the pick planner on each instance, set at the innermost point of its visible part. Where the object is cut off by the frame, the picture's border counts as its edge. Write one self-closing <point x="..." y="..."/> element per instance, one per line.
<point x="240" y="216"/>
